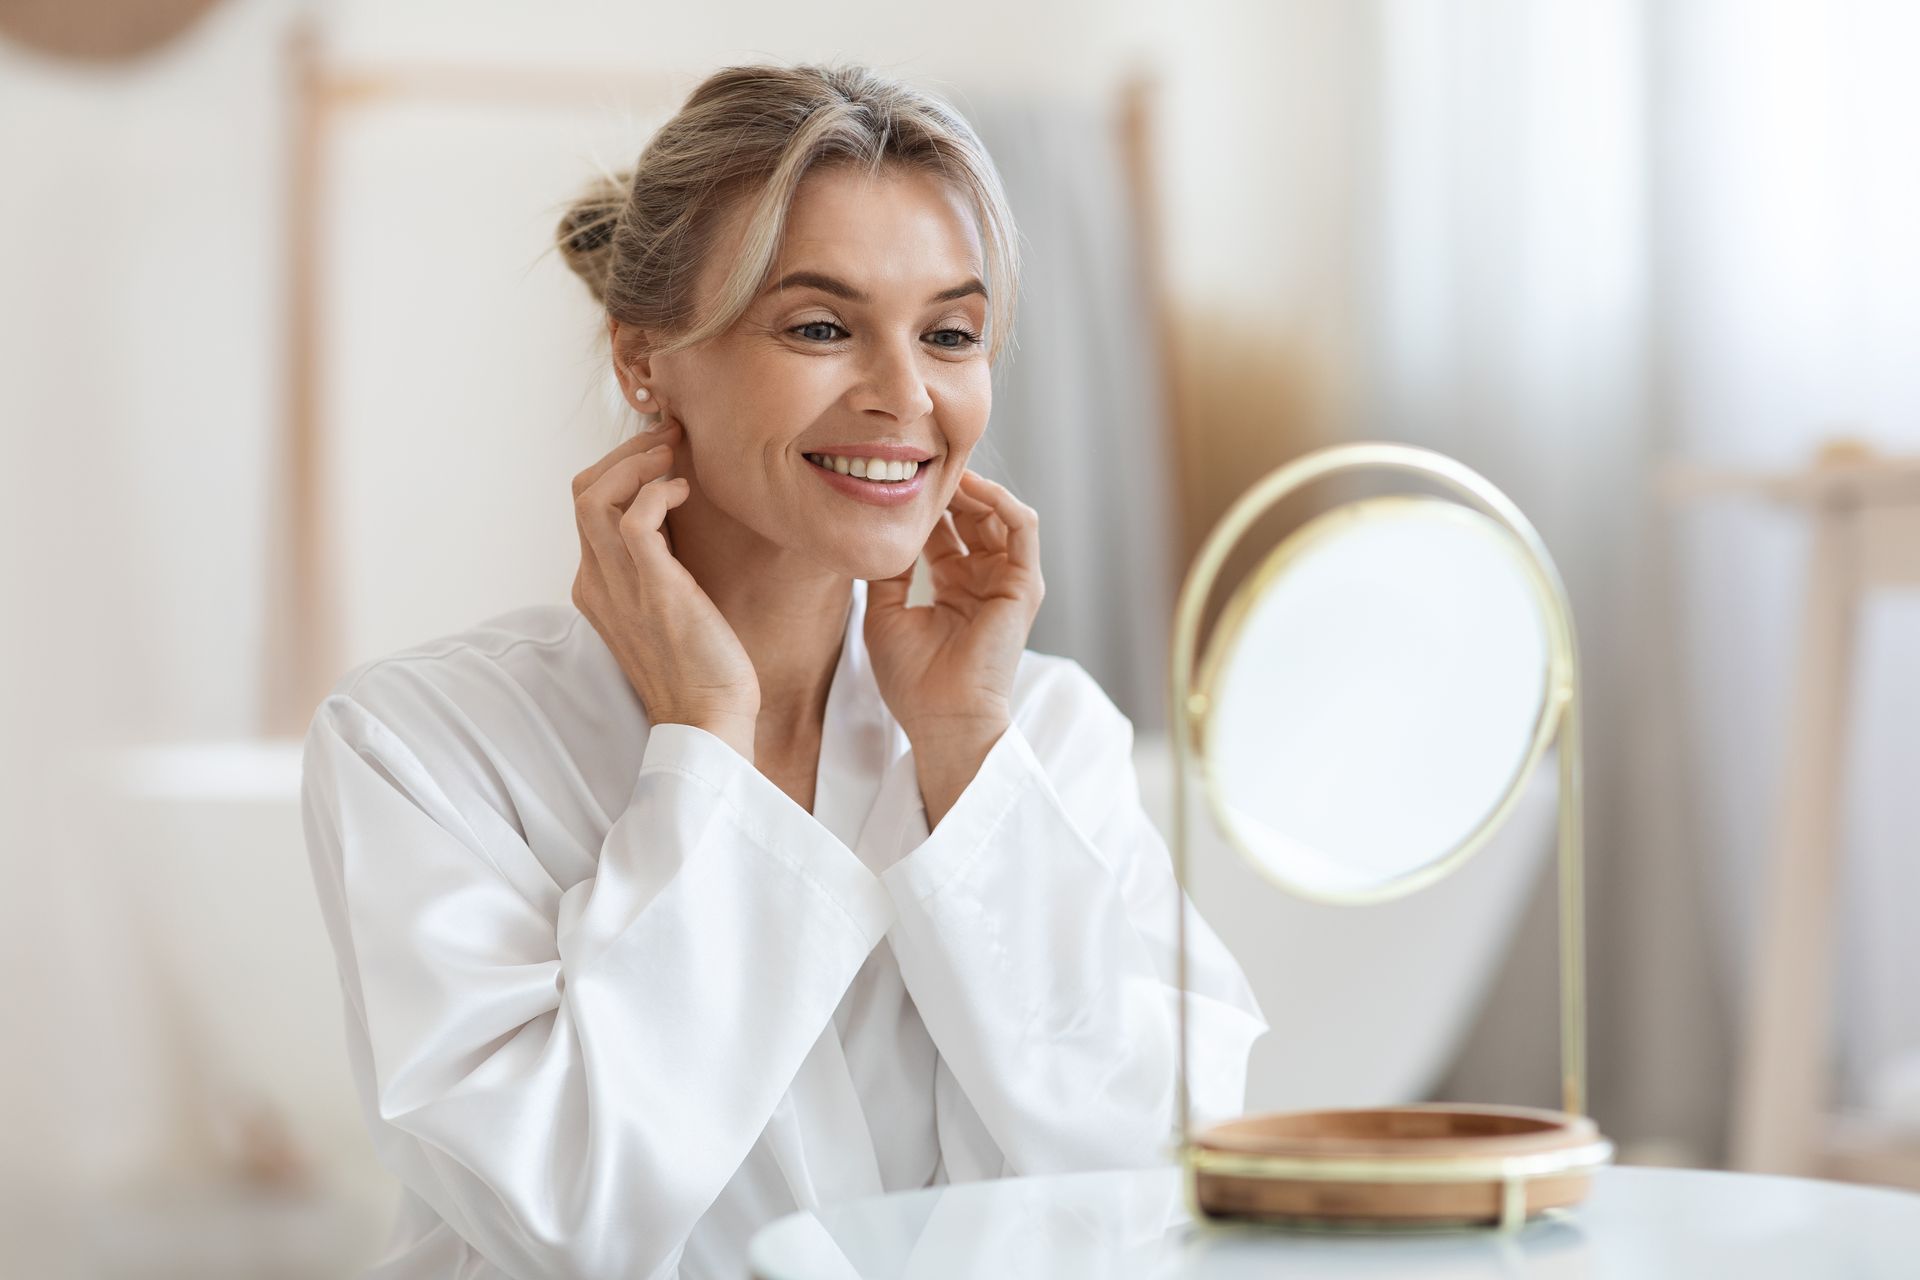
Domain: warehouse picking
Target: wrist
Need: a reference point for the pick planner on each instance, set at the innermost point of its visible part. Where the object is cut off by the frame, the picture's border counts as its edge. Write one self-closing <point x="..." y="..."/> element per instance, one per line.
<point x="736" y="733"/>
<point x="964" y="731"/>
<point x="945" y="766"/>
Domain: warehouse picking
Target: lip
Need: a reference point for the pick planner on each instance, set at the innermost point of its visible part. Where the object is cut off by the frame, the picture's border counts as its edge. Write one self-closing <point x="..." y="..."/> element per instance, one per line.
<point x="889" y="452"/>
<point x="880" y="495"/>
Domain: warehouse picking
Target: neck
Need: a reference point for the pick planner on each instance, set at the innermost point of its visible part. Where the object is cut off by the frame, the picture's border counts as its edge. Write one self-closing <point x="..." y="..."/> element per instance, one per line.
<point x="789" y="614"/>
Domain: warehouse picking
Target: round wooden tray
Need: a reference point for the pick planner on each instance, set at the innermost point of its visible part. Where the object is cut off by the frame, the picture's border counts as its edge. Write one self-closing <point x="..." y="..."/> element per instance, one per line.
<point x="1430" y="1164"/>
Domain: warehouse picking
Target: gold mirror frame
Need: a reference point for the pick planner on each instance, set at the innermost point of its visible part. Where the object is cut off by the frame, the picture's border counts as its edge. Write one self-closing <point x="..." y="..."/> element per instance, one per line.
<point x="1227" y="635"/>
<point x="1559" y="718"/>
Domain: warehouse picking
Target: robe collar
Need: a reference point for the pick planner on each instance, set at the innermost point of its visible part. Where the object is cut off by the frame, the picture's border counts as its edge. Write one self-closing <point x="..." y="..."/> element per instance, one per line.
<point x="862" y="746"/>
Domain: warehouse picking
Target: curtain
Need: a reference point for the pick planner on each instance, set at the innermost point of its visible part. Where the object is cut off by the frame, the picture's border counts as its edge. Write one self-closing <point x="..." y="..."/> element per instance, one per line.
<point x="1792" y="268"/>
<point x="1078" y="428"/>
<point x="1608" y="234"/>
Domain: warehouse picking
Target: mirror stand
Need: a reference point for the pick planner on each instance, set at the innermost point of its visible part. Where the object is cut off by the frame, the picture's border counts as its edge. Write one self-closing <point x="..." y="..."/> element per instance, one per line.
<point x="1452" y="627"/>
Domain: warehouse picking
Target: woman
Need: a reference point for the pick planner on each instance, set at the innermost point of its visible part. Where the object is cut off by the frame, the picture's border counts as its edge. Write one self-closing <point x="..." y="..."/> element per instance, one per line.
<point x="740" y="886"/>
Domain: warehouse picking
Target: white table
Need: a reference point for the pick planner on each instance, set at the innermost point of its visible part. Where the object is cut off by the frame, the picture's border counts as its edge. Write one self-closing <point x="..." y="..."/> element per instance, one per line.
<point x="1637" y="1224"/>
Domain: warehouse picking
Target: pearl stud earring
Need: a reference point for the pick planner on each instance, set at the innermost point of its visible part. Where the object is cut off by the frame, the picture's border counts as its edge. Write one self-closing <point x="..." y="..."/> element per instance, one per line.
<point x="640" y="392"/>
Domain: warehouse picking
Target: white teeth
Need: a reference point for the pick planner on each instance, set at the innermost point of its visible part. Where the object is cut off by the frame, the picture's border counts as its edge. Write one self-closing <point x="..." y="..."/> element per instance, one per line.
<point x="867" y="468"/>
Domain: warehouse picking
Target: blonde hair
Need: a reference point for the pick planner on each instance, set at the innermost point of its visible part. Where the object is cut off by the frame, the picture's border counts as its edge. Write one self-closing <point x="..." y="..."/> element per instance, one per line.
<point x="638" y="238"/>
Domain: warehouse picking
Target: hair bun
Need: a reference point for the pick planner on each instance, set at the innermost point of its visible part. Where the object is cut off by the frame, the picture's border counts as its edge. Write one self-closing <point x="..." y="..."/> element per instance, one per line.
<point x="592" y="237"/>
<point x="585" y="234"/>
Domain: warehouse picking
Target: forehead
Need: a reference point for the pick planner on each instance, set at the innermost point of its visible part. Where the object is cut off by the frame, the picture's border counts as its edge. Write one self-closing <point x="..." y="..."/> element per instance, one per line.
<point x="898" y="229"/>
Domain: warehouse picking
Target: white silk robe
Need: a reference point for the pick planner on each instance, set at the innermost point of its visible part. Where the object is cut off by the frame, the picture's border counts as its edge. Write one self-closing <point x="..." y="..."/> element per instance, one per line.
<point x="614" y="1000"/>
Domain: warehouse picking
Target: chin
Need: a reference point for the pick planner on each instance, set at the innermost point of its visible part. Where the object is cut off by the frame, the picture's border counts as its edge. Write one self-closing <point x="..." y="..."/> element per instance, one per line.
<point x="872" y="563"/>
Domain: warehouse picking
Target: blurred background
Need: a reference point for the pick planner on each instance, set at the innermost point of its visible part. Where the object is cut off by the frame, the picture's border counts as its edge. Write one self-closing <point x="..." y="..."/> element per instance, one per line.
<point x="291" y="380"/>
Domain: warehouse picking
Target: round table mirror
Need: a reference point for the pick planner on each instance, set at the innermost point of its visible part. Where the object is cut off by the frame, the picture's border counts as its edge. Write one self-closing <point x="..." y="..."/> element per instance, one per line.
<point x="1367" y="712"/>
<point x="1376" y="691"/>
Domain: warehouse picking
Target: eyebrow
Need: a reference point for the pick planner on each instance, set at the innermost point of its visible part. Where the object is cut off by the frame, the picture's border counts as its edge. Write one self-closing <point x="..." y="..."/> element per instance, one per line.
<point x="841" y="289"/>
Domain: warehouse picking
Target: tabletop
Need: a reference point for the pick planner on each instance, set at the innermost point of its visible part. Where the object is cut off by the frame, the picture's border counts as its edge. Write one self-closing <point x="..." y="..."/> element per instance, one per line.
<point x="1637" y="1223"/>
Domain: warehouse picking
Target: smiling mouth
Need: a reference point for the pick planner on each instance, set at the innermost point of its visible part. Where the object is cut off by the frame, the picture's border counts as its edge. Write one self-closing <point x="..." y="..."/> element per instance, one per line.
<point x="893" y="473"/>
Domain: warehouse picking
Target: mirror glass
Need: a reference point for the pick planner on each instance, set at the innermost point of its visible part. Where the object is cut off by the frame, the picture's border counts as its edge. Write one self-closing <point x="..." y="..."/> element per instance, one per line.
<point x="1375" y="691"/>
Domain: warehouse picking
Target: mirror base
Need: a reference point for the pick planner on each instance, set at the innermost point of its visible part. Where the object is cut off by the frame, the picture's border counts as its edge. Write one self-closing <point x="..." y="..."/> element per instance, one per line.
<point x="1427" y="1166"/>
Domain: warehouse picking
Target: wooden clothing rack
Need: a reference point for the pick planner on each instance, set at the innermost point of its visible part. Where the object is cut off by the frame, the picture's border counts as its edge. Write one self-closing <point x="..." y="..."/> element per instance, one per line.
<point x="1865" y="514"/>
<point x="303" y="630"/>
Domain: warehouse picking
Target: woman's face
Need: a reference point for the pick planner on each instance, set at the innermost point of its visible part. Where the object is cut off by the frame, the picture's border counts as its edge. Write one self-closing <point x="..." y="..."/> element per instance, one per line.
<point x="869" y="334"/>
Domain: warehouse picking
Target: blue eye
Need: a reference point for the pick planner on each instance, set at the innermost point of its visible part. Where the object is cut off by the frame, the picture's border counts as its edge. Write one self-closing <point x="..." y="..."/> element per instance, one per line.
<point x="816" y="324"/>
<point x="955" y="339"/>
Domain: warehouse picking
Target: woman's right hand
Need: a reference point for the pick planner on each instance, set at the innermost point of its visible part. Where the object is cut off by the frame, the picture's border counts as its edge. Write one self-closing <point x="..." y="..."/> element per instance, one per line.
<point x="678" y="651"/>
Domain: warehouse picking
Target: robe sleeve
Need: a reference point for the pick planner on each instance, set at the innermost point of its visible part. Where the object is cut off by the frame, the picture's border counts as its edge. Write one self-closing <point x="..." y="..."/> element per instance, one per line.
<point x="570" y="1083"/>
<point x="1036" y="935"/>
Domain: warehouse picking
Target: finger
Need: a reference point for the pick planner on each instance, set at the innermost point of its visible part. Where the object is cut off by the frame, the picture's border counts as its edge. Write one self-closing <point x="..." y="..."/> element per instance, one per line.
<point x="622" y="479"/>
<point x="980" y="524"/>
<point x="665" y="430"/>
<point x="642" y="527"/>
<point x="968" y="496"/>
<point x="945" y="542"/>
<point x="600" y="509"/>
<point x="967" y="527"/>
<point x="890" y="593"/>
<point x="970" y="513"/>
<point x="1022" y="525"/>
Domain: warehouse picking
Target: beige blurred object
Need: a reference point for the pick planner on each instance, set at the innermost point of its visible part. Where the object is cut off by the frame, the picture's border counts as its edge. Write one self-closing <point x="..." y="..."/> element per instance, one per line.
<point x="269" y="1154"/>
<point x="1237" y="402"/>
<point x="1865" y="514"/>
<point x="1365" y="717"/>
<point x="98" y="30"/>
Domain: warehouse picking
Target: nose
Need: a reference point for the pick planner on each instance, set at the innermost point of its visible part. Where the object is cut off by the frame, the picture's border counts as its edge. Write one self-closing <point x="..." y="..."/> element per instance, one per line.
<point x="892" y="383"/>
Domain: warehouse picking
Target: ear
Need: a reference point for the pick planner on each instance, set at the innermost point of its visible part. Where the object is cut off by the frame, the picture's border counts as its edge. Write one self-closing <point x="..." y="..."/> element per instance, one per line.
<point x="634" y="371"/>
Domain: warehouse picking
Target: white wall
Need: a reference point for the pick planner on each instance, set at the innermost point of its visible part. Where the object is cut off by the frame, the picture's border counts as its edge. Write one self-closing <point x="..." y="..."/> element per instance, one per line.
<point x="140" y="314"/>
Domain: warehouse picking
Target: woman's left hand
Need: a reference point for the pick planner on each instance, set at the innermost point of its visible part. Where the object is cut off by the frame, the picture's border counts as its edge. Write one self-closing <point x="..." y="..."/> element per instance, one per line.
<point x="947" y="671"/>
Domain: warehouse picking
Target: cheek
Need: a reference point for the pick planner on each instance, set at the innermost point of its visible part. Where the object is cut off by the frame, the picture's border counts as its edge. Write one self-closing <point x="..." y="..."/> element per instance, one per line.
<point x="772" y="397"/>
<point x="964" y="407"/>
<point x="742" y="409"/>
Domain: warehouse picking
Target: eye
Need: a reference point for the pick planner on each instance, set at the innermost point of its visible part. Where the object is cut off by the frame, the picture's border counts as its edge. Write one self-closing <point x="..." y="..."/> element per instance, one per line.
<point x="825" y="331"/>
<point x="816" y="324"/>
<point x="962" y="339"/>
